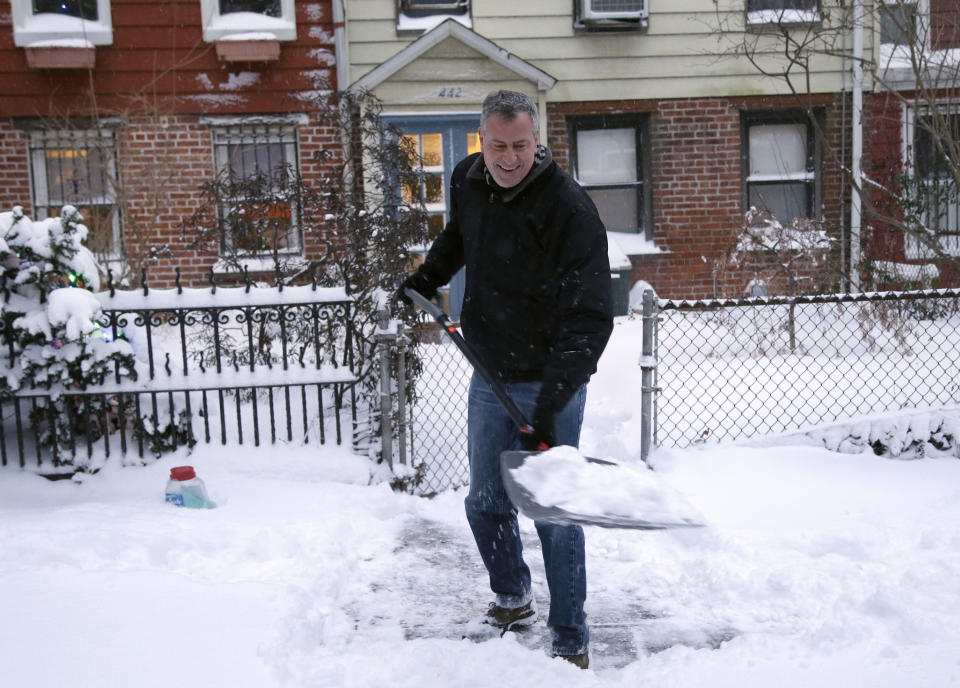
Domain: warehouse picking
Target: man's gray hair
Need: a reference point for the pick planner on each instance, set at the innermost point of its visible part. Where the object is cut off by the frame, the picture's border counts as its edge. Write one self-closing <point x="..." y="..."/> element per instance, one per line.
<point x="507" y="105"/>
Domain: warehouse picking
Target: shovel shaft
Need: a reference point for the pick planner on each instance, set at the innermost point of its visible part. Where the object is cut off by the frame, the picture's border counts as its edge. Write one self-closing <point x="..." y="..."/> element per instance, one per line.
<point x="495" y="386"/>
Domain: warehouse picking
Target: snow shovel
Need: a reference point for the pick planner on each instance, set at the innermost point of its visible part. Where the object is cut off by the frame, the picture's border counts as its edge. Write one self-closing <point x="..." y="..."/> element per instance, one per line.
<point x="512" y="465"/>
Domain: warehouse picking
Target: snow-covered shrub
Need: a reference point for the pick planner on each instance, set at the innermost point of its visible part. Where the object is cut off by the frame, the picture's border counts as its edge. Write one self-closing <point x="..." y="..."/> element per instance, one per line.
<point x="913" y="435"/>
<point x="174" y="429"/>
<point x="51" y="335"/>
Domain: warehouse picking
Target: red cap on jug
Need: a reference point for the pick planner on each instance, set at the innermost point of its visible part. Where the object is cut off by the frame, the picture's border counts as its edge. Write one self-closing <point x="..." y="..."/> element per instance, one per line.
<point x="182" y="473"/>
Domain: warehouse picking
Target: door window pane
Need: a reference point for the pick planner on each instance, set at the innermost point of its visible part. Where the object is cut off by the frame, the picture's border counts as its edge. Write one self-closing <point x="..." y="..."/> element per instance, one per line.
<point x="429" y="150"/>
<point x="607" y="156"/>
<point x="473" y="143"/>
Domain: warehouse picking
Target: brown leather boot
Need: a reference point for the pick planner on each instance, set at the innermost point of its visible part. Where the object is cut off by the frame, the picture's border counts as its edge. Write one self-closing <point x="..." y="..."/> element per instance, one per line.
<point x="582" y="660"/>
<point x="507" y="619"/>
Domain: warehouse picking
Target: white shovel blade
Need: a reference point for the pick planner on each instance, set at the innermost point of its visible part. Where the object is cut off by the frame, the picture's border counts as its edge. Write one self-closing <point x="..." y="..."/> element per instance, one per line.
<point x="562" y="486"/>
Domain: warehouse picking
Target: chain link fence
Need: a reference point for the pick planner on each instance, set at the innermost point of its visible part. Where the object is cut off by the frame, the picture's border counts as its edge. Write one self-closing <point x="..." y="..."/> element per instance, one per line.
<point x="730" y="370"/>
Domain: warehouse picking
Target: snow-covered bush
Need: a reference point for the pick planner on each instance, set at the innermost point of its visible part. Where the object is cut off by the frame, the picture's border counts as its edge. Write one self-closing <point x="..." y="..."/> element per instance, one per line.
<point x="51" y="336"/>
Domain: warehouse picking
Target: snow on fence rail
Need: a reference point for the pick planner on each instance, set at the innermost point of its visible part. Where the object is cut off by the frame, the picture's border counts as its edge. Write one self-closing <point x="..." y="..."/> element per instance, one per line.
<point x="218" y="363"/>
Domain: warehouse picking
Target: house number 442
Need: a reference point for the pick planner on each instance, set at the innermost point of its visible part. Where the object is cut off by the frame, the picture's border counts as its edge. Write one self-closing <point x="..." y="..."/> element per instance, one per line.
<point x="451" y="92"/>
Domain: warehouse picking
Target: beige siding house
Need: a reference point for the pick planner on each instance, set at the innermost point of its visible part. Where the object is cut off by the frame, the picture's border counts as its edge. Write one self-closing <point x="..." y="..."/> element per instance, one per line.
<point x="658" y="107"/>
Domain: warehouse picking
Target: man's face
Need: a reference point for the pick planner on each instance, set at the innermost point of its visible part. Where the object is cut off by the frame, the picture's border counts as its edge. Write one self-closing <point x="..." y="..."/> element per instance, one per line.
<point x="509" y="147"/>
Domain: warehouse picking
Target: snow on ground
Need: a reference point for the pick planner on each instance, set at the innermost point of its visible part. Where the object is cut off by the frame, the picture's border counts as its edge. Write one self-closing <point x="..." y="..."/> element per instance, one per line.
<point x="815" y="569"/>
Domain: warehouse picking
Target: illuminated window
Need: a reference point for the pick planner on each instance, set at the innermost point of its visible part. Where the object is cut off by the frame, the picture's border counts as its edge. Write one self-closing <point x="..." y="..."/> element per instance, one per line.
<point x="78" y="168"/>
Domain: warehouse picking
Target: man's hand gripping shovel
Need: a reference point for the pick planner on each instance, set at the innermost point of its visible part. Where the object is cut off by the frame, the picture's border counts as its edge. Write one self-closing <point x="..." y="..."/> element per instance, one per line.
<point x="512" y="461"/>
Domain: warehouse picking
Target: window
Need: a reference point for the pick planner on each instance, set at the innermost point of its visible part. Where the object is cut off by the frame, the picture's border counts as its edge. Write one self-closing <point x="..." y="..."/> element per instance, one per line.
<point x="441" y="142"/>
<point x="782" y="12"/>
<point x="611" y="15"/>
<point x="270" y="8"/>
<point x="258" y="168"/>
<point x="419" y="8"/>
<point x="936" y="142"/>
<point x="898" y="22"/>
<point x="417" y="16"/>
<point x="78" y="168"/>
<point x="610" y="160"/>
<point x="431" y="192"/>
<point x="781" y="154"/>
<point x="51" y="21"/>
<point x="226" y="18"/>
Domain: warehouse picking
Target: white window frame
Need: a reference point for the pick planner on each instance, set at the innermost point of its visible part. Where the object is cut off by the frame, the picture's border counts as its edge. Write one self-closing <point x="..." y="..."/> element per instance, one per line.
<point x="50" y="29"/>
<point x="419" y="19"/>
<point x="285" y="134"/>
<point x="587" y="20"/>
<point x="42" y="141"/>
<point x="950" y="243"/>
<point x="234" y="25"/>
<point x="783" y="17"/>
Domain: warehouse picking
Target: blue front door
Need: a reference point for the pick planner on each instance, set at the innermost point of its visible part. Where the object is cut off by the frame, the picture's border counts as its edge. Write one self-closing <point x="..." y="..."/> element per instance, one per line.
<point x="442" y="142"/>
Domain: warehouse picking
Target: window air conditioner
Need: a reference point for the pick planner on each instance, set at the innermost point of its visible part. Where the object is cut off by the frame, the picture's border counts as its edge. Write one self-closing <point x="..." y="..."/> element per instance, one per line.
<point x="621" y="10"/>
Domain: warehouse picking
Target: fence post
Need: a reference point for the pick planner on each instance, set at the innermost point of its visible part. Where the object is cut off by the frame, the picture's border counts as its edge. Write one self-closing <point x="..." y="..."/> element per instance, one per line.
<point x="648" y="364"/>
<point x="402" y="342"/>
<point x="384" y="338"/>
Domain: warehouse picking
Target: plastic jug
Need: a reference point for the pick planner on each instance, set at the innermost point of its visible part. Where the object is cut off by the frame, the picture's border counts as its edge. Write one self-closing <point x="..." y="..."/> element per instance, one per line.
<point x="185" y="489"/>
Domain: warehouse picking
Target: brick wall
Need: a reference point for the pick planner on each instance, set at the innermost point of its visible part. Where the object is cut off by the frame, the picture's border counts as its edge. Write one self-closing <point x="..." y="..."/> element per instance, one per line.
<point x="944" y="24"/>
<point x="158" y="59"/>
<point x="697" y="185"/>
<point x="161" y="163"/>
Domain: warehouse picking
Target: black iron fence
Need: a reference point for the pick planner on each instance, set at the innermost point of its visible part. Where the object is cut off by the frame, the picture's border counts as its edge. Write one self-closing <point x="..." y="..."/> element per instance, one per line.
<point x="244" y="364"/>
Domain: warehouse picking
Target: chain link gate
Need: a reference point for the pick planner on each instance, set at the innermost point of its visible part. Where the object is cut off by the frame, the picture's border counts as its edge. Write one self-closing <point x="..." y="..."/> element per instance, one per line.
<point x="727" y="370"/>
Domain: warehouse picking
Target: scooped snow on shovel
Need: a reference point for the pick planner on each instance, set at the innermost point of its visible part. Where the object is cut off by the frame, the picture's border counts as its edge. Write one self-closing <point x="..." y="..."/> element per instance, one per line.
<point x="559" y="484"/>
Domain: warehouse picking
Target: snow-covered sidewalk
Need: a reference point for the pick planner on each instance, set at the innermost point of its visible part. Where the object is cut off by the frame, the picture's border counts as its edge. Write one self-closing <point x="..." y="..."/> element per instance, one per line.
<point x="816" y="569"/>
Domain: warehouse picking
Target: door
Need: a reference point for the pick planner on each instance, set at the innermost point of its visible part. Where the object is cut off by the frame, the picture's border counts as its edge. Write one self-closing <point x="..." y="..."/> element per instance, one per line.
<point x="442" y="142"/>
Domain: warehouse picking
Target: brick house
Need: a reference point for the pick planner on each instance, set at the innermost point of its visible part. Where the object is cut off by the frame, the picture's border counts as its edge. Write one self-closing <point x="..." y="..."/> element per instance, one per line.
<point x="918" y="85"/>
<point x="677" y="117"/>
<point x="124" y="107"/>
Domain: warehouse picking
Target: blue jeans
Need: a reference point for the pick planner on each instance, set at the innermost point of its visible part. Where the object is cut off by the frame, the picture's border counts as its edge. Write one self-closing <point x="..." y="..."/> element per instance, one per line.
<point x="493" y="518"/>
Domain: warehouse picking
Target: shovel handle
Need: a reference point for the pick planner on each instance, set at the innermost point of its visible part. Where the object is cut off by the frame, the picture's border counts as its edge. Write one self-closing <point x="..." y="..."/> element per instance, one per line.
<point x="495" y="386"/>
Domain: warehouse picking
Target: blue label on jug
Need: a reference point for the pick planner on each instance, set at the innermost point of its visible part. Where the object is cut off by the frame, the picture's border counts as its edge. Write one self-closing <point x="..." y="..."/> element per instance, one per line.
<point x="175" y="499"/>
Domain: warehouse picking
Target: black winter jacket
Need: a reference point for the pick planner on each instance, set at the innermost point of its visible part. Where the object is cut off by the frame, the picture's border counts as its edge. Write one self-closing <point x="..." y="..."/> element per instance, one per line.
<point x="537" y="302"/>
